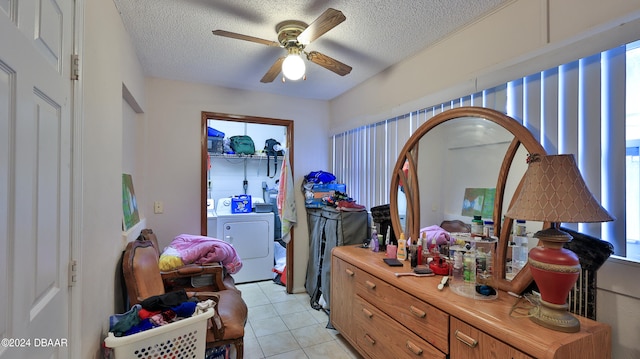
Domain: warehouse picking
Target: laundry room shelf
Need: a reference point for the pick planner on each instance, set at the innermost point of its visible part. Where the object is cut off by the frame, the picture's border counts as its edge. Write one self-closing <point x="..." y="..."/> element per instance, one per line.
<point x="260" y="156"/>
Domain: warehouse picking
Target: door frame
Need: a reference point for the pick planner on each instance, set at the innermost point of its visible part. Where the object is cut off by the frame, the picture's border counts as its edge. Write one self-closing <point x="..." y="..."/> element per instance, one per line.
<point x="205" y="115"/>
<point x="77" y="110"/>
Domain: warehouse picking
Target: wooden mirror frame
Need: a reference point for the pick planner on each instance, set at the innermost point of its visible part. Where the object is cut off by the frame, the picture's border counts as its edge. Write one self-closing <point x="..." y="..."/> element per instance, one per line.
<point x="409" y="155"/>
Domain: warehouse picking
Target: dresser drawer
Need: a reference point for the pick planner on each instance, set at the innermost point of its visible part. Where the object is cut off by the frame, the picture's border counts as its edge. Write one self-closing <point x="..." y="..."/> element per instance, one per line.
<point x="343" y="289"/>
<point x="419" y="317"/>
<point x="469" y="342"/>
<point x="379" y="336"/>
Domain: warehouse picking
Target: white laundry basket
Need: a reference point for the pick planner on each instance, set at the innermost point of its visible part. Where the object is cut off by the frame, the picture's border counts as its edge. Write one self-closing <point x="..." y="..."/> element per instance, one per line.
<point x="185" y="339"/>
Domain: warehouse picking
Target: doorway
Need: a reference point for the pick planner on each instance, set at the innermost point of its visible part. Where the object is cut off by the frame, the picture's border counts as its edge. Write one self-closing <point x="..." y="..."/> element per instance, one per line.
<point x="287" y="125"/>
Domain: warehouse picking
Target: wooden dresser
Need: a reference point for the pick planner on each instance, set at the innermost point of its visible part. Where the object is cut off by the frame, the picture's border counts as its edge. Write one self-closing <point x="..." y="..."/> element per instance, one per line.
<point x="384" y="316"/>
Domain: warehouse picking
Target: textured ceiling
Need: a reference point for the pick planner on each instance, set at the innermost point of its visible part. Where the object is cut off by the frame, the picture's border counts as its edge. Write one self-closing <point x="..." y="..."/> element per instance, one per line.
<point x="173" y="38"/>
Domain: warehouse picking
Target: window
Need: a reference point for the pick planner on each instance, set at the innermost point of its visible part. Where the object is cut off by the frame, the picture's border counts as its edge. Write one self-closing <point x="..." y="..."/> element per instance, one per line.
<point x="632" y="163"/>
<point x="585" y="107"/>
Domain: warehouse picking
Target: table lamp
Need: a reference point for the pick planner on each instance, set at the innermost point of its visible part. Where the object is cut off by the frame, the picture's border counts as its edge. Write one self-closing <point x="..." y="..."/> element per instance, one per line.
<point x="554" y="191"/>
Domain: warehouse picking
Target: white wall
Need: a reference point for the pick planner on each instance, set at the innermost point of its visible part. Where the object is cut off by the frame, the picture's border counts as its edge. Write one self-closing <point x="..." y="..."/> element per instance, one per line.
<point x="108" y="61"/>
<point x="510" y="43"/>
<point x="173" y="165"/>
<point x="524" y="37"/>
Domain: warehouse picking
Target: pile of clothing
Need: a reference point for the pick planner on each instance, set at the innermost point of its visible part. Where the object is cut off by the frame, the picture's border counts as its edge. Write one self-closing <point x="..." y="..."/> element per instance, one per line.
<point x="157" y="311"/>
<point x="320" y="189"/>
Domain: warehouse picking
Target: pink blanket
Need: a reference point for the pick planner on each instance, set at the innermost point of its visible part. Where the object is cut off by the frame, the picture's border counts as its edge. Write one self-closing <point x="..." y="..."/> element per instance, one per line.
<point x="436" y="232"/>
<point x="202" y="250"/>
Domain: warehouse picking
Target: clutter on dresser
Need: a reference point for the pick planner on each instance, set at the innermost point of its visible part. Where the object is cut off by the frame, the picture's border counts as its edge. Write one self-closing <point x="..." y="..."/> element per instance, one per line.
<point x="384" y="316"/>
<point x="381" y="216"/>
<point x="472" y="266"/>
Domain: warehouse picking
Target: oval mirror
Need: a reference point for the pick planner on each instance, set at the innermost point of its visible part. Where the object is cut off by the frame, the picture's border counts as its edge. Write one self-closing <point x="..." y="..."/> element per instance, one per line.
<point x="457" y="151"/>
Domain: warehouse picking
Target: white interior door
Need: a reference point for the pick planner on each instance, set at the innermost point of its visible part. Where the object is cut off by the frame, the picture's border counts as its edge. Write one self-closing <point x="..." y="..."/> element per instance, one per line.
<point x="35" y="177"/>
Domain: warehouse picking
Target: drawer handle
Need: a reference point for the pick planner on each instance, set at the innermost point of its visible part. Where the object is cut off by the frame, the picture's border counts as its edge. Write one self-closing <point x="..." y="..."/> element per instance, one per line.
<point x="417" y="312"/>
<point x="369" y="339"/>
<point x="466" y="339"/>
<point x="371" y="285"/>
<point x="414" y="348"/>
<point x="367" y="313"/>
<point x="349" y="272"/>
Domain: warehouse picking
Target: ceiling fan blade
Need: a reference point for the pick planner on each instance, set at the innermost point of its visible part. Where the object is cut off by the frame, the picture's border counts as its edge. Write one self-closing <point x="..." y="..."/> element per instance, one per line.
<point x="329" y="63"/>
<point x="325" y="22"/>
<point x="234" y="35"/>
<point x="273" y="72"/>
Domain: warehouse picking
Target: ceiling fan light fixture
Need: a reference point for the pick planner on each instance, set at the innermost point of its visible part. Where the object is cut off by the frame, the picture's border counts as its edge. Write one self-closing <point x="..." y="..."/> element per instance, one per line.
<point x="294" y="36"/>
<point x="293" y="67"/>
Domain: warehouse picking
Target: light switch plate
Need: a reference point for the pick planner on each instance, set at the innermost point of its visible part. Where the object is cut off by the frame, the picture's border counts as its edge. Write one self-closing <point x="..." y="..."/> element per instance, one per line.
<point x="158" y="207"/>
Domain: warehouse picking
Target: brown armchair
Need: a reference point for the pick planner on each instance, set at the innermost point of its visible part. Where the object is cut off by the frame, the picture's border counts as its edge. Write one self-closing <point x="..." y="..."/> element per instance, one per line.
<point x="211" y="277"/>
<point x="143" y="279"/>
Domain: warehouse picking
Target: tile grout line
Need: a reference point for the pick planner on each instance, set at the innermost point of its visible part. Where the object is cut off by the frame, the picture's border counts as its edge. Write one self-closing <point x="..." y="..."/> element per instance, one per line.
<point x="260" y="289"/>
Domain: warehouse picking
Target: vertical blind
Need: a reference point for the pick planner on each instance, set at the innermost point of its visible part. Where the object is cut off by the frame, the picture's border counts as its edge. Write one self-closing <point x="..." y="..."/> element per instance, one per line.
<point x="576" y="108"/>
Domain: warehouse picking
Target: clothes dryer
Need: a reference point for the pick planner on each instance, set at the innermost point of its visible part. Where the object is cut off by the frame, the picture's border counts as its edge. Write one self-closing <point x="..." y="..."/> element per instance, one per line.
<point x="252" y="235"/>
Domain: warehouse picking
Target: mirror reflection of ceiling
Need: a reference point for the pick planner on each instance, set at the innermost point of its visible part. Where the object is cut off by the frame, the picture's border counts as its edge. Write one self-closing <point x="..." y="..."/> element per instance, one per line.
<point x="471" y="132"/>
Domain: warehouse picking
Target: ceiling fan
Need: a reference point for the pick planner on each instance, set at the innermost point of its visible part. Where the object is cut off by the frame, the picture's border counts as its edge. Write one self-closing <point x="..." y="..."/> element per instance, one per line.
<point x="294" y="36"/>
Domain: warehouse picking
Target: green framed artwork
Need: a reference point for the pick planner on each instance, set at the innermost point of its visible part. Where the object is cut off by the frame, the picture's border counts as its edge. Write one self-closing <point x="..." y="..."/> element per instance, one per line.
<point x="478" y="202"/>
<point x="129" y="205"/>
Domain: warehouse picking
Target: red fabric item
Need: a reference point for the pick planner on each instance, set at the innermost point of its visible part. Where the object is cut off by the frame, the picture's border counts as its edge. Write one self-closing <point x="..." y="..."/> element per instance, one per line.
<point x="405" y="169"/>
<point x="144" y="314"/>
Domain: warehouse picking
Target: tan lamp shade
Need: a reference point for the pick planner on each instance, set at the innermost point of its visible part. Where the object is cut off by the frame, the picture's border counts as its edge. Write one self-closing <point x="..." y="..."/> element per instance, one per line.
<point x="554" y="191"/>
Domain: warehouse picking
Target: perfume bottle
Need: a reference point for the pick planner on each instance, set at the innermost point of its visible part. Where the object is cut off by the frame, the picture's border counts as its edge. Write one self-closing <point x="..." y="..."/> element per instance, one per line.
<point x="402" y="248"/>
<point x="374" y="244"/>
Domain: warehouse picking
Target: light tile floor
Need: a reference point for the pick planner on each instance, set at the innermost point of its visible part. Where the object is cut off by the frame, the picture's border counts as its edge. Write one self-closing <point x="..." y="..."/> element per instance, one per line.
<point x="283" y="326"/>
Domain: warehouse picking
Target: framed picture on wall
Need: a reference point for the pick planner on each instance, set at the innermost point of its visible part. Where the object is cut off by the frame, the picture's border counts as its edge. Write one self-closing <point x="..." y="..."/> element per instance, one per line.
<point x="129" y="205"/>
<point x="478" y="202"/>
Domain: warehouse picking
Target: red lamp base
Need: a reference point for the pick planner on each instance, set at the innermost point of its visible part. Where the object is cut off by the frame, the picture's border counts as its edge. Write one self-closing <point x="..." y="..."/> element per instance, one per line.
<point x="555" y="271"/>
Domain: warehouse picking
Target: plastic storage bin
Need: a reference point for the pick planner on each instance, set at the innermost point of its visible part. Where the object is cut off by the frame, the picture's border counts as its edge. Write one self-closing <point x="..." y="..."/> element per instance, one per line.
<point x="215" y="145"/>
<point x="471" y="268"/>
<point x="263" y="207"/>
<point x="185" y="338"/>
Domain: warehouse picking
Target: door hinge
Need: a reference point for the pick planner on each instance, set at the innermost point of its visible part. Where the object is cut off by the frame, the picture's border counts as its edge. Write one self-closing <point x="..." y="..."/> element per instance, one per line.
<point x="73" y="272"/>
<point x="75" y="67"/>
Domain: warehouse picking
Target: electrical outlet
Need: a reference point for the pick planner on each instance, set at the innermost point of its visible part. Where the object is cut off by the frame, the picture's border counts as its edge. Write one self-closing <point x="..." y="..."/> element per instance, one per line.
<point x="158" y="207"/>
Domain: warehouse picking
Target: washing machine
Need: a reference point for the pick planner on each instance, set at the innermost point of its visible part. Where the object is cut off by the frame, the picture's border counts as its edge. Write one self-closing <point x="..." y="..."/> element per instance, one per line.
<point x="251" y="234"/>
